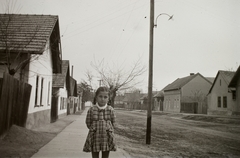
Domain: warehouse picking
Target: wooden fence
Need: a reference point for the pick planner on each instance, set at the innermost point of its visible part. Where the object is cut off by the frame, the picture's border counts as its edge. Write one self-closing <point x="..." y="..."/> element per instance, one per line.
<point x="189" y="107"/>
<point x="14" y="101"/>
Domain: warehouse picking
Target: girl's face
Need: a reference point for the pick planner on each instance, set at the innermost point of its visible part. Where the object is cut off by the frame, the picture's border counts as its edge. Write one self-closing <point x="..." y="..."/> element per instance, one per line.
<point x="102" y="98"/>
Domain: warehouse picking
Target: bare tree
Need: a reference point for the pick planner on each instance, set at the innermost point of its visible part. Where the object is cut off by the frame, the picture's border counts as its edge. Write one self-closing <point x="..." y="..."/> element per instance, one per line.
<point x="120" y="78"/>
<point x="86" y="91"/>
<point x="89" y="76"/>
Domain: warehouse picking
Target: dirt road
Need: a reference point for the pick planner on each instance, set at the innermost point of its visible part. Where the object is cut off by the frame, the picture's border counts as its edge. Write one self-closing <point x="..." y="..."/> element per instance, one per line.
<point x="173" y="136"/>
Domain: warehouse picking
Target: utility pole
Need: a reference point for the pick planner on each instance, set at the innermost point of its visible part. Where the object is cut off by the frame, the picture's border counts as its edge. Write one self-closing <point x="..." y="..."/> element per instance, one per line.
<point x="150" y="77"/>
<point x="100" y="83"/>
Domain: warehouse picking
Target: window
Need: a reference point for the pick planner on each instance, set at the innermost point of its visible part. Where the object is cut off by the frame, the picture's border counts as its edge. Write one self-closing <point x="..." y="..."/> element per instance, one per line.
<point x="48" y="97"/>
<point x="219" y="101"/>
<point x="220" y="82"/>
<point x="234" y="95"/>
<point x="36" y="91"/>
<point x="41" y="94"/>
<point x="225" y="102"/>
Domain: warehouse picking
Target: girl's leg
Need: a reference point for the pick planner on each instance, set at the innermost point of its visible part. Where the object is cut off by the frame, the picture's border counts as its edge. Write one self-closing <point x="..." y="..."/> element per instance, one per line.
<point x="95" y="154"/>
<point x="105" y="154"/>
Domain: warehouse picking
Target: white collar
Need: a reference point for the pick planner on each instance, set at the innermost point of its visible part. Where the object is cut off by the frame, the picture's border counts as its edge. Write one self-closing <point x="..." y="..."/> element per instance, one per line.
<point x="101" y="108"/>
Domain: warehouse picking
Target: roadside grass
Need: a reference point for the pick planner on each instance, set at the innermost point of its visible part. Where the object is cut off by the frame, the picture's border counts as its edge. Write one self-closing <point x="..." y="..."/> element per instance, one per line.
<point x="167" y="141"/>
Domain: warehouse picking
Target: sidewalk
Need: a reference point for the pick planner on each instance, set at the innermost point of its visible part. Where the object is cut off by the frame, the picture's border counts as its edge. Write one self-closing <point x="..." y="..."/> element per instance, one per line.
<point x="69" y="143"/>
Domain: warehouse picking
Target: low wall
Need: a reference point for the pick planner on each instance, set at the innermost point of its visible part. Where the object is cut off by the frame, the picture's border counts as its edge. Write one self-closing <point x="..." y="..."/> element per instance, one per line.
<point x="38" y="119"/>
<point x="216" y="112"/>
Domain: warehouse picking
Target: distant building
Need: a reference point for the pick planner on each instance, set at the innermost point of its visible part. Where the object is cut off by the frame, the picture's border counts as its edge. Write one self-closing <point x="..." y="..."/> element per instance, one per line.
<point x="158" y="101"/>
<point x="235" y="87"/>
<point x="60" y="92"/>
<point x="221" y="98"/>
<point x="187" y="94"/>
<point x="119" y="99"/>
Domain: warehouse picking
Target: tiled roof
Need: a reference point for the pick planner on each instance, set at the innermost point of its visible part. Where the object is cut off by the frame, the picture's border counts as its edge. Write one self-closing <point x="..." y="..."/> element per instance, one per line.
<point x="235" y="78"/>
<point x="159" y="94"/>
<point x="60" y="78"/>
<point x="26" y="33"/>
<point x="180" y="82"/>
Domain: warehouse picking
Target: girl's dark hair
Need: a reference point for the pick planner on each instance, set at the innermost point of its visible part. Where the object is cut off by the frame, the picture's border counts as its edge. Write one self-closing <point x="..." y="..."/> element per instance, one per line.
<point x="102" y="89"/>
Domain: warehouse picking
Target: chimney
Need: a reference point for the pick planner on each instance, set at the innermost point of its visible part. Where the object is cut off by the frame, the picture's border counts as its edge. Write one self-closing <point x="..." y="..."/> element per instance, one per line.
<point x="72" y="72"/>
<point x="191" y="74"/>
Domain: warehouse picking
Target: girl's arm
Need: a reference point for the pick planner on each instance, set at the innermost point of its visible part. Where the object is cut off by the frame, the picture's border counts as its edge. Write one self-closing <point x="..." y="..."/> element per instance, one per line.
<point x="113" y="117"/>
<point x="89" y="118"/>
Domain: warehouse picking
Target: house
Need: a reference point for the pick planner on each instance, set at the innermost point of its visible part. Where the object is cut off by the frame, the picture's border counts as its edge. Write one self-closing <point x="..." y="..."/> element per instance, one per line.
<point x="234" y="85"/>
<point x="118" y="99"/>
<point x="74" y="99"/>
<point x="60" y="92"/>
<point x="144" y="100"/>
<point x="34" y="45"/>
<point x="132" y="100"/>
<point x="220" y="97"/>
<point x="187" y="94"/>
<point x="158" y="101"/>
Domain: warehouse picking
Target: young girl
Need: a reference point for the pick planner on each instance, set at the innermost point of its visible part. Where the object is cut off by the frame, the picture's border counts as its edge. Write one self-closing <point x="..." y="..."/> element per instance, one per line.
<point x="100" y="122"/>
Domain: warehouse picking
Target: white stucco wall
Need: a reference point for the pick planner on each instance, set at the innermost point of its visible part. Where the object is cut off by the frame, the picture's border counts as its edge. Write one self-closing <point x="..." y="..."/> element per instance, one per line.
<point x="41" y="66"/>
<point x="220" y="91"/>
<point x="62" y="93"/>
<point x="172" y="101"/>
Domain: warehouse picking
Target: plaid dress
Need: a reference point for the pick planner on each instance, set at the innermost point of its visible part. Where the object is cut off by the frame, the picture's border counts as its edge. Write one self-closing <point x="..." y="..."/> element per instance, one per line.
<point x="101" y="133"/>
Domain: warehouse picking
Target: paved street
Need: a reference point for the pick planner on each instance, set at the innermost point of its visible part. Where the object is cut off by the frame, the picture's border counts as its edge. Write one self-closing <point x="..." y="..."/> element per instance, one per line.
<point x="69" y="143"/>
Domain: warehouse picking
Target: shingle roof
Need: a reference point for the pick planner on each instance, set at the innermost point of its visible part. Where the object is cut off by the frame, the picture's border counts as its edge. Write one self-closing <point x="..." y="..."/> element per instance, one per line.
<point x="26" y="33"/>
<point x="236" y="76"/>
<point x="60" y="78"/>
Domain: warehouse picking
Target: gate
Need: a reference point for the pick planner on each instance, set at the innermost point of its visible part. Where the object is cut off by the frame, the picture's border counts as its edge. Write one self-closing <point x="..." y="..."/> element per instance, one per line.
<point x="54" y="109"/>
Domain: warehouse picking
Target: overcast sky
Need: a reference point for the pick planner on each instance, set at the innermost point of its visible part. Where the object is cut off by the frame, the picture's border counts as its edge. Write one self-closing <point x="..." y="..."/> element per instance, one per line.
<point x="204" y="35"/>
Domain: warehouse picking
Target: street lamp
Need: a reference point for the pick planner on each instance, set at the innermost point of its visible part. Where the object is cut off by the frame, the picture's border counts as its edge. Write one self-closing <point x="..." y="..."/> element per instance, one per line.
<point x="170" y="18"/>
<point x="150" y="77"/>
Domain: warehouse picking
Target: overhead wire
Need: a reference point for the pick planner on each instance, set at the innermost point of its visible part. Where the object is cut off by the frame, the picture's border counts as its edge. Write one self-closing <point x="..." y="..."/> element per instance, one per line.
<point x="127" y="41"/>
<point x="123" y="29"/>
<point x="102" y="22"/>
